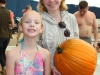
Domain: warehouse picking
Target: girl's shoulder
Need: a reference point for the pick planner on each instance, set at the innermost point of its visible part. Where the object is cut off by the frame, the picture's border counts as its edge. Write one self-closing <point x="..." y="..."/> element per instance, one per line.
<point x="44" y="52"/>
<point x="13" y="52"/>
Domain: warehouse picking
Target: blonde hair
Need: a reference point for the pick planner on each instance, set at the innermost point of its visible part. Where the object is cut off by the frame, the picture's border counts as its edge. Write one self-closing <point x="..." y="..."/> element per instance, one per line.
<point x="41" y="8"/>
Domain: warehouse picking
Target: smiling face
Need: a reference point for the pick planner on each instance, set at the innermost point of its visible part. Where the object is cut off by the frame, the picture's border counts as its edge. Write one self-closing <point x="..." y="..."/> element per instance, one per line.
<point x="52" y="5"/>
<point x="31" y="24"/>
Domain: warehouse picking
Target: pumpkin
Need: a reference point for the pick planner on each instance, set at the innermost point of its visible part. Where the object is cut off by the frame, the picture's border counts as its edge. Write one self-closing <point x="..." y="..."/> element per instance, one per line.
<point x="75" y="57"/>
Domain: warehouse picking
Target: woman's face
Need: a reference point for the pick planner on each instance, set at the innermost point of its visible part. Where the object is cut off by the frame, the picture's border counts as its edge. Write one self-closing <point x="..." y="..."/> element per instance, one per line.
<point x="52" y="5"/>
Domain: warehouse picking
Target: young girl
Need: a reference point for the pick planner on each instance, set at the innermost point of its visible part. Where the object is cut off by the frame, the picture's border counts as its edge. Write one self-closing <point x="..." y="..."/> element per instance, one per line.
<point x="28" y="58"/>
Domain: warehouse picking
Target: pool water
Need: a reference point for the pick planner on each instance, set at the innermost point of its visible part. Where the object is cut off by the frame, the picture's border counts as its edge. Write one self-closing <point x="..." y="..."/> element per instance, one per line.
<point x="98" y="61"/>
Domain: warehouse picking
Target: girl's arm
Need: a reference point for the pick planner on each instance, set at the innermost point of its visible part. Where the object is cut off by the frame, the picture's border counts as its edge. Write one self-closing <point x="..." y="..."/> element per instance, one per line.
<point x="47" y="63"/>
<point x="10" y="62"/>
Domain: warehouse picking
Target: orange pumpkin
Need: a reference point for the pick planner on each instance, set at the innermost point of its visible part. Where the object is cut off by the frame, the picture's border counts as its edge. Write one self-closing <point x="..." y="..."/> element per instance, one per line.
<point x="75" y="57"/>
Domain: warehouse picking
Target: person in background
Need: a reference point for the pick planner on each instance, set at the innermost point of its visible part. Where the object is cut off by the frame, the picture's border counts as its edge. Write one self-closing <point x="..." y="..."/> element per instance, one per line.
<point x="86" y="22"/>
<point x="5" y="16"/>
<point x="11" y="15"/>
<point x="28" y="58"/>
<point x="58" y="26"/>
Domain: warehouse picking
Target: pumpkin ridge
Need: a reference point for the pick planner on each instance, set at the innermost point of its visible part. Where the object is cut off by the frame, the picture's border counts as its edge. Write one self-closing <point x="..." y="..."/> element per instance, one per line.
<point x="68" y="67"/>
<point x="59" y="65"/>
<point x="84" y="52"/>
<point x="72" y="69"/>
<point x="75" y="43"/>
<point x="76" y="56"/>
<point x="78" y="59"/>
<point x="80" y="66"/>
<point x="83" y="57"/>
<point x="81" y="46"/>
<point x="87" y="48"/>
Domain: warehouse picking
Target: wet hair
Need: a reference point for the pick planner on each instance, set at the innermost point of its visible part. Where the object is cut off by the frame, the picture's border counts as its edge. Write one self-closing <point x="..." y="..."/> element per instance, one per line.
<point x="3" y="1"/>
<point x="41" y="8"/>
<point x="83" y="4"/>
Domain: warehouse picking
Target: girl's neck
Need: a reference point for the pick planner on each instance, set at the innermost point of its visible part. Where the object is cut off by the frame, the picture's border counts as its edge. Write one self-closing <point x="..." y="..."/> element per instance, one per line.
<point x="29" y="44"/>
<point x="56" y="15"/>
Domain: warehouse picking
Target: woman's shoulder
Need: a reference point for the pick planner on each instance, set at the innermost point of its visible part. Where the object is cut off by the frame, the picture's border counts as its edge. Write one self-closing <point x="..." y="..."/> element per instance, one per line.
<point x="67" y="14"/>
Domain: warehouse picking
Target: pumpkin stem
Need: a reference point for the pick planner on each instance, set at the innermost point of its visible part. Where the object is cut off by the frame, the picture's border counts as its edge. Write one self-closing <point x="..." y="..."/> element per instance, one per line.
<point x="59" y="50"/>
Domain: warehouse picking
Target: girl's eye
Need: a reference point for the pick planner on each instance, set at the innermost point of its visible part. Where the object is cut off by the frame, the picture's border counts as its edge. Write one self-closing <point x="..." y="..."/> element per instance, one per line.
<point x="36" y="22"/>
<point x="26" y="21"/>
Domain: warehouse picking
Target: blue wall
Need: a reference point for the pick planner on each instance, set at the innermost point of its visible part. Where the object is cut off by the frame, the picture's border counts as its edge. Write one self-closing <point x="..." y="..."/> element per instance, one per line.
<point x="18" y="5"/>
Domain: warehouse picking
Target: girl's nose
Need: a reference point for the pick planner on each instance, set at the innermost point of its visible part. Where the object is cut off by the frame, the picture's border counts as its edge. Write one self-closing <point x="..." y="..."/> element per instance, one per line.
<point x="31" y="24"/>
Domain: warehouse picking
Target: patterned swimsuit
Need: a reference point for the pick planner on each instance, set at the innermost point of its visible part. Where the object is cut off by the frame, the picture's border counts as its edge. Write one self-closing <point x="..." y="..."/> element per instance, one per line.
<point x="25" y="66"/>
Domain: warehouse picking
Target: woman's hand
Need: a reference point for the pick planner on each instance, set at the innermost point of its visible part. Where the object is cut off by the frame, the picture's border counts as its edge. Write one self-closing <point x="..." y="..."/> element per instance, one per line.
<point x="54" y="71"/>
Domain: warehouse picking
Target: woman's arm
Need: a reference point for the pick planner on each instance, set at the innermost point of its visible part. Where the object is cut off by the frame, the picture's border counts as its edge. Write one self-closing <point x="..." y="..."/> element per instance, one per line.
<point x="10" y="62"/>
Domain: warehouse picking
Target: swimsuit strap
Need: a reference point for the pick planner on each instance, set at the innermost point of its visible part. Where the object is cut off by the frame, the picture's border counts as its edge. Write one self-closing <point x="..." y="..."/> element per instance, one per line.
<point x="22" y="46"/>
<point x="37" y="47"/>
<point x="21" y="40"/>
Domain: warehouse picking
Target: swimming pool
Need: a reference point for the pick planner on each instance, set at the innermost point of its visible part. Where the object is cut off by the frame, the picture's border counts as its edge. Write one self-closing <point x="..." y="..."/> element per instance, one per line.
<point x="97" y="70"/>
<point x="98" y="61"/>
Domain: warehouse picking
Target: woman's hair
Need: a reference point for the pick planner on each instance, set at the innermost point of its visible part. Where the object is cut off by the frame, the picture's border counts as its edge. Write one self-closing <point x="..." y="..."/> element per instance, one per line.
<point x="41" y="8"/>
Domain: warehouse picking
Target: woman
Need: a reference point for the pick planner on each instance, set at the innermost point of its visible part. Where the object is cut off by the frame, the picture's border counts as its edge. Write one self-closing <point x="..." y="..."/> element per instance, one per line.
<point x="56" y="22"/>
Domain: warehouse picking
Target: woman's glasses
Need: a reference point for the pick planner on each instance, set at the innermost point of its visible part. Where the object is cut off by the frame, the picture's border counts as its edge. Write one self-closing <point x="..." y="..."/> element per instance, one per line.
<point x="66" y="32"/>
